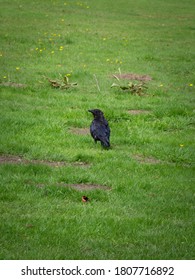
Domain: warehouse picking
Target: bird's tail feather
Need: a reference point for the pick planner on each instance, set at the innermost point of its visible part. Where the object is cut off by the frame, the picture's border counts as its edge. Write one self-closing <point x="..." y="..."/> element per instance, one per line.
<point x="105" y="144"/>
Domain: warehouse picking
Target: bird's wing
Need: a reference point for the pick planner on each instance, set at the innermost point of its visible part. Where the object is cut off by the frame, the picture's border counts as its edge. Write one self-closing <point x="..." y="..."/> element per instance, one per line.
<point x="100" y="131"/>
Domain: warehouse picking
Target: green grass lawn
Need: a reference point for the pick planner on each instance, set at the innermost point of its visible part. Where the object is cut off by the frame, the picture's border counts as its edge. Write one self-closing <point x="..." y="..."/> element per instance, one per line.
<point x="141" y="190"/>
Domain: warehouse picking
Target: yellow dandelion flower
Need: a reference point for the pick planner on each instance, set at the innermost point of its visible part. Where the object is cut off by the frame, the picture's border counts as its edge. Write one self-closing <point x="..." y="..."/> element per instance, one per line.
<point x="181" y="145"/>
<point x="68" y="75"/>
<point x="4" y="77"/>
<point x="52" y="52"/>
<point x="17" y="68"/>
<point x="161" y="85"/>
<point x="190" y="85"/>
<point x="104" y="39"/>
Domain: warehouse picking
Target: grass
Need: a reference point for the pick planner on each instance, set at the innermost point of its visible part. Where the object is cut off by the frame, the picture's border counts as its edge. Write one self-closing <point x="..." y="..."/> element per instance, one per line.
<point x="148" y="212"/>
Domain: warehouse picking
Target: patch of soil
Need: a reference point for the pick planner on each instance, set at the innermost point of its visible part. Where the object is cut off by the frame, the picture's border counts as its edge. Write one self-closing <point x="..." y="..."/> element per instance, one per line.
<point x="138" y="112"/>
<point x="12" y="84"/>
<point x="79" y="131"/>
<point x="78" y="187"/>
<point x="19" y="160"/>
<point x="83" y="187"/>
<point x="132" y="76"/>
<point x="149" y="160"/>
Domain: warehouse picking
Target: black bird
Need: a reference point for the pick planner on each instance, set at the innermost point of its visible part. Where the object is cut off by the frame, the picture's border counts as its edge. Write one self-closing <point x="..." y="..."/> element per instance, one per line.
<point x="99" y="129"/>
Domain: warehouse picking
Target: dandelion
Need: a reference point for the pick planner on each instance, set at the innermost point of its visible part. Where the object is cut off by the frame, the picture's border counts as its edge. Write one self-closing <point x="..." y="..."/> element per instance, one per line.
<point x="190" y="85"/>
<point x="181" y="145"/>
<point x="40" y="50"/>
<point x="52" y="52"/>
<point x="17" y="68"/>
<point x="104" y="39"/>
<point x="4" y="77"/>
<point x="68" y="75"/>
<point x="36" y="49"/>
<point x="61" y="48"/>
<point x="161" y="85"/>
<point x="108" y="59"/>
<point x="62" y="19"/>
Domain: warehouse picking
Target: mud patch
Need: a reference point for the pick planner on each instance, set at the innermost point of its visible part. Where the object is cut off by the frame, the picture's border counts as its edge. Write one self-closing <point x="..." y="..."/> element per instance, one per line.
<point x="9" y="159"/>
<point x="148" y="160"/>
<point x="84" y="187"/>
<point x="79" y="131"/>
<point x="138" y="112"/>
<point x="14" y="85"/>
<point x="152" y="160"/>
<point x="78" y="187"/>
<point x="132" y="76"/>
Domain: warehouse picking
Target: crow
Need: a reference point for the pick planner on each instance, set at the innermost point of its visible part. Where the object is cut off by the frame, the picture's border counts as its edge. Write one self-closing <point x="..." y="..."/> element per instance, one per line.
<point x="99" y="128"/>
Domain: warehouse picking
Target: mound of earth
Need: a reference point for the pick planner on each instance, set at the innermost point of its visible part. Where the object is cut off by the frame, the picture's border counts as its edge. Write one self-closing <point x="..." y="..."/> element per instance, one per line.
<point x="132" y="76"/>
<point x="138" y="112"/>
<point x="11" y="159"/>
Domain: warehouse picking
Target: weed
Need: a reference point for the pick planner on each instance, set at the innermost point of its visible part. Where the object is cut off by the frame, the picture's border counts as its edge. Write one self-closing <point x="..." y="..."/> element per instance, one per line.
<point x="133" y="88"/>
<point x="62" y="83"/>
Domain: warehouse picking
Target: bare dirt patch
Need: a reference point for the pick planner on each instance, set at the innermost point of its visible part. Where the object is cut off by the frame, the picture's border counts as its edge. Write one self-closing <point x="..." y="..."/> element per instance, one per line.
<point x="79" y="131"/>
<point x="83" y="187"/>
<point x="78" y="187"/>
<point x="152" y="160"/>
<point x="12" y="84"/>
<point x="10" y="159"/>
<point x="149" y="160"/>
<point x="138" y="112"/>
<point x="132" y="76"/>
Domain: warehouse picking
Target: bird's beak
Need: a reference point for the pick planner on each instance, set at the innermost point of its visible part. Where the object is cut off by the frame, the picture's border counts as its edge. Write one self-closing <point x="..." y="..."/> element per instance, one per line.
<point x="91" y="111"/>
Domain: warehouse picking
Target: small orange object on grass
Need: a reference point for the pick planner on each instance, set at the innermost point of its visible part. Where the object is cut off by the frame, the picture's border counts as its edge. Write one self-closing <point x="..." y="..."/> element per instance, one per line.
<point x="85" y="198"/>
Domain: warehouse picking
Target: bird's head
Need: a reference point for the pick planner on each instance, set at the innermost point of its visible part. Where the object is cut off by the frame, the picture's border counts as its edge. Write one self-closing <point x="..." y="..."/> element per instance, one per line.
<point x="96" y="113"/>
